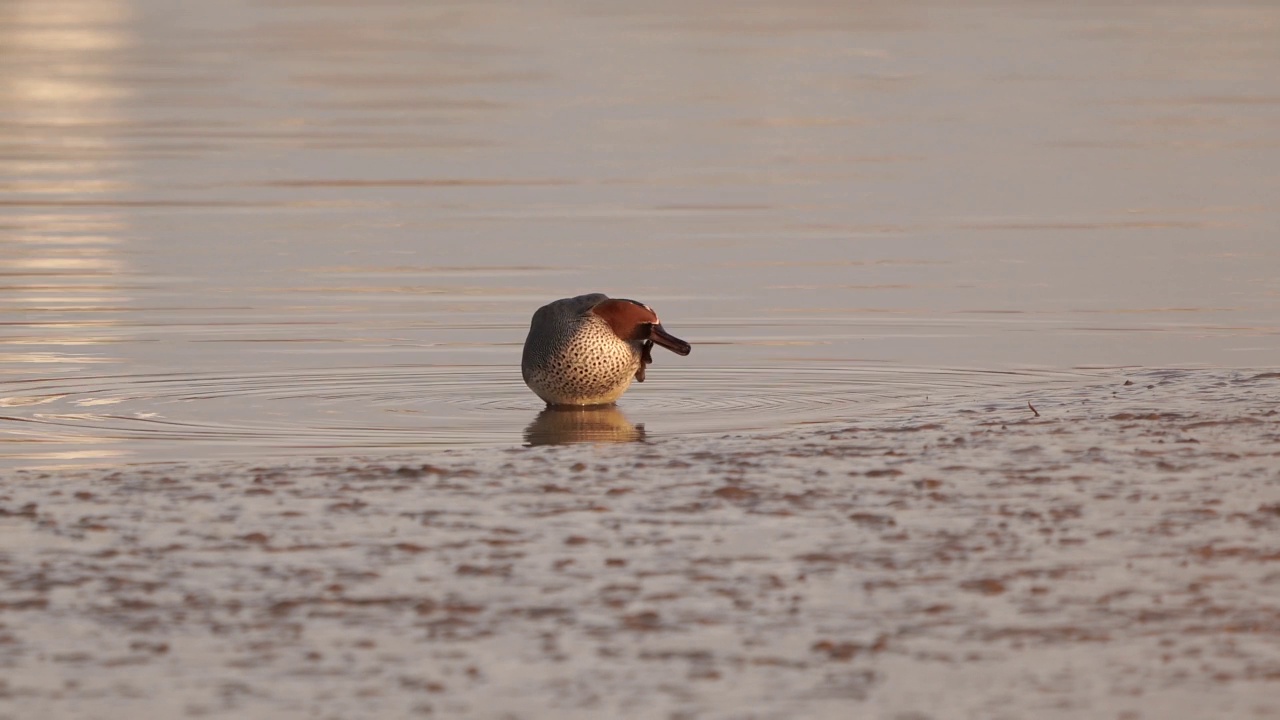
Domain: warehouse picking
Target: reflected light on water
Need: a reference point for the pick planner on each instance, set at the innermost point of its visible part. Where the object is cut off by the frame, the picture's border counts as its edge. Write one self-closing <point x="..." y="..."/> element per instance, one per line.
<point x="59" y="95"/>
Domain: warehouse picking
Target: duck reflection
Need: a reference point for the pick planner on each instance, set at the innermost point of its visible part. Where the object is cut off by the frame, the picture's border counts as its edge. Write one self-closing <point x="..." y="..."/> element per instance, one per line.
<point x="561" y="426"/>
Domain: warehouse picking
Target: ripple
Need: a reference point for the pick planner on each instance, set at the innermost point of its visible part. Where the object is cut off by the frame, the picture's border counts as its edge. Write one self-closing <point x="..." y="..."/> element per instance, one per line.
<point x="192" y="416"/>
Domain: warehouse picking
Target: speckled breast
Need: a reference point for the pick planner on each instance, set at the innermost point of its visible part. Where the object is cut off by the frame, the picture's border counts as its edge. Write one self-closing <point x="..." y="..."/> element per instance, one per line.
<point x="581" y="362"/>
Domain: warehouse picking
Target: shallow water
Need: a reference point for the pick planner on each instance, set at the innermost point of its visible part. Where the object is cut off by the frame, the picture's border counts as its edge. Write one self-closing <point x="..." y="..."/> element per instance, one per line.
<point x="254" y="228"/>
<point x="190" y="416"/>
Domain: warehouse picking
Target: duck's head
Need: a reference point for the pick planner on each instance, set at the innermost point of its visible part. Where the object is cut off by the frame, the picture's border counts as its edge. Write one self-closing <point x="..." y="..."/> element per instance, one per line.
<point x="637" y="323"/>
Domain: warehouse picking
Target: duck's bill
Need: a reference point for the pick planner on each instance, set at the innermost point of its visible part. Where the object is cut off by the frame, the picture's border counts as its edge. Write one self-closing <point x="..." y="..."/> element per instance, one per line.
<point x="669" y="341"/>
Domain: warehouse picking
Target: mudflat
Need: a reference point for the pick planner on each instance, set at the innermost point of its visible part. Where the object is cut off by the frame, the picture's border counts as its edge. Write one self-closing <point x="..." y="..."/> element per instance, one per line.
<point x="1104" y="551"/>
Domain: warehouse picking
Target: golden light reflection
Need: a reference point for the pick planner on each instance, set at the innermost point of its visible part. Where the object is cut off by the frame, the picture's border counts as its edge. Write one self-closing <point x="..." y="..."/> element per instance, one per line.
<point x="92" y="457"/>
<point x="29" y="400"/>
<point x="60" y="103"/>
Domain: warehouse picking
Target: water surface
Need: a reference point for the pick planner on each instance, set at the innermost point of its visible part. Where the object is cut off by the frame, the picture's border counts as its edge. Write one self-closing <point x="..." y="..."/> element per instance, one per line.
<point x="265" y="228"/>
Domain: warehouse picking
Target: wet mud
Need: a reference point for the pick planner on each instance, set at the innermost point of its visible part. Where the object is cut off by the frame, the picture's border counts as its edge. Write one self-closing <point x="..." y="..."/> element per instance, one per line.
<point x="1106" y="551"/>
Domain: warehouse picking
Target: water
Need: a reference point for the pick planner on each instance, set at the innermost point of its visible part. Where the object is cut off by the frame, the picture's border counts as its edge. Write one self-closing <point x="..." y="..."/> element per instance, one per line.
<point x="263" y="229"/>
<point x="402" y="408"/>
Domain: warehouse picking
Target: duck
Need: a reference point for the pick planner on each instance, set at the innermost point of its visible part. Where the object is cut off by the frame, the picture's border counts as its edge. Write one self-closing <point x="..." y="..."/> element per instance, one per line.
<point x="586" y="350"/>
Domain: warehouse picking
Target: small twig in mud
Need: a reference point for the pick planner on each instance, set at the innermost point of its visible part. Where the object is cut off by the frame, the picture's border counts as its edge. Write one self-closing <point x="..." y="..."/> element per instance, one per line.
<point x="1033" y="408"/>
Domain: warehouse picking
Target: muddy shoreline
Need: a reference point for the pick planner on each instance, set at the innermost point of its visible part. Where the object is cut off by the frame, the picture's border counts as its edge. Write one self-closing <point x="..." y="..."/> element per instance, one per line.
<point x="1112" y="556"/>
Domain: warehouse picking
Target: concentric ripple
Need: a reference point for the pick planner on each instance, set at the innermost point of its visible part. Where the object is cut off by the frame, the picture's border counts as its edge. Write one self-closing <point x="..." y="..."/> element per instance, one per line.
<point x="193" y="416"/>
